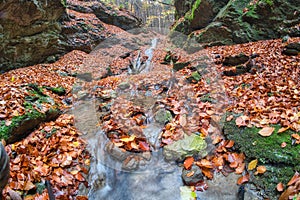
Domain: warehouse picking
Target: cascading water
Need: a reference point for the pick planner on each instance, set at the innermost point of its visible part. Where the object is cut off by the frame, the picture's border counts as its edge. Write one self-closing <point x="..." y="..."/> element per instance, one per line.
<point x="133" y="175"/>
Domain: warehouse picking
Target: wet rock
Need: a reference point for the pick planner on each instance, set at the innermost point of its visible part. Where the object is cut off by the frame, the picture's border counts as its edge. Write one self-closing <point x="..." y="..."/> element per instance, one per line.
<point x="124" y="85"/>
<point x="163" y="116"/>
<point x="235" y="60"/>
<point x="116" y="152"/>
<point x="4" y="168"/>
<point x="192" y="145"/>
<point x="107" y="95"/>
<point x="192" y="176"/>
<point x="81" y="31"/>
<point x="131" y="163"/>
<point x="180" y="65"/>
<point x="85" y="76"/>
<point x="292" y="49"/>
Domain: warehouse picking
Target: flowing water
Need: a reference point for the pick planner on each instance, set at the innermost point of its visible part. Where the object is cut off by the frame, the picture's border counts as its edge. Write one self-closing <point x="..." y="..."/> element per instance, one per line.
<point x="118" y="175"/>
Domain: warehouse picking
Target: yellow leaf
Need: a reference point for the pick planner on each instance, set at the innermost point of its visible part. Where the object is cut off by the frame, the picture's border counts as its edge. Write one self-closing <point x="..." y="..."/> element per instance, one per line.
<point x="12" y="78"/>
<point x="75" y="144"/>
<point x="128" y="139"/>
<point x="266" y="131"/>
<point x="252" y="164"/>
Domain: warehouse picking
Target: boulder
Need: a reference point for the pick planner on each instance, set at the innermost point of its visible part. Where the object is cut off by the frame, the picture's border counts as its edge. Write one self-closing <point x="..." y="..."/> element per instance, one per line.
<point x="192" y="176"/>
<point x="107" y="14"/>
<point x="214" y="22"/>
<point x="292" y="49"/>
<point x="192" y="145"/>
<point x="233" y="60"/>
<point x="30" y="31"/>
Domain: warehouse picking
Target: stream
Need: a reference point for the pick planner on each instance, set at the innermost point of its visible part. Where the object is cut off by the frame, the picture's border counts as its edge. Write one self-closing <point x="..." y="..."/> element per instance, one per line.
<point x="118" y="175"/>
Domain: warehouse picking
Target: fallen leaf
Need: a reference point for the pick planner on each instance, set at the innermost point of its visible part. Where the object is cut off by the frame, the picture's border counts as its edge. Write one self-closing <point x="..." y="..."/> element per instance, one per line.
<point x="188" y="162"/>
<point x="252" y="164"/>
<point x="280" y="187"/>
<point x="29" y="185"/>
<point x="266" y="131"/>
<point x="207" y="172"/>
<point x="243" y="179"/>
<point x="242" y="121"/>
<point x="283" y="144"/>
<point x="281" y="130"/>
<point x="294" y="179"/>
<point x="260" y="170"/>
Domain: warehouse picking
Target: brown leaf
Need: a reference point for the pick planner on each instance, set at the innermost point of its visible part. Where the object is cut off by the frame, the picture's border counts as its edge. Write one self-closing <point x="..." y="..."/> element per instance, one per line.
<point x="242" y="121"/>
<point x="294" y="179"/>
<point x="281" y="130"/>
<point x="280" y="187"/>
<point x="243" y="179"/>
<point x="266" y="131"/>
<point x="29" y="185"/>
<point x="260" y="170"/>
<point x="207" y="172"/>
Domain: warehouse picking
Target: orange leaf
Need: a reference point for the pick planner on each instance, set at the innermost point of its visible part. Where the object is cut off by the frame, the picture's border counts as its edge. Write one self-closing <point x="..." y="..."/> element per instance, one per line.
<point x="243" y="179"/>
<point x="188" y="162"/>
<point x="230" y="144"/>
<point x="294" y="179"/>
<point x="207" y="172"/>
<point x="252" y="164"/>
<point x="260" y="170"/>
<point x="281" y="130"/>
<point x="279" y="187"/>
<point x="240" y="168"/>
<point x="29" y="185"/>
<point x="266" y="131"/>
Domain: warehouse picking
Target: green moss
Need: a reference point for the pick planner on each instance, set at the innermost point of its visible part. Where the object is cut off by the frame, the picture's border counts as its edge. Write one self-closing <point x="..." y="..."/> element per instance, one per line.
<point x="57" y="90"/>
<point x="281" y="162"/>
<point x="30" y="113"/>
<point x="191" y="14"/>
<point x="266" y="149"/>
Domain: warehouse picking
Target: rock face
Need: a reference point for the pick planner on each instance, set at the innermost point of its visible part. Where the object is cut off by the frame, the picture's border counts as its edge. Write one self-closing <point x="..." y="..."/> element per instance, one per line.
<point x="107" y="14"/>
<point x="35" y="31"/>
<point x="217" y="22"/>
<point x="29" y="31"/>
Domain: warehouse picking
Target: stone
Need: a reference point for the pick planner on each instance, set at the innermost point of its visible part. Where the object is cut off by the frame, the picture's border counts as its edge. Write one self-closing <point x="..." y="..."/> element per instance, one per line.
<point x="192" y="145"/>
<point x="292" y="49"/>
<point x="163" y="116"/>
<point x="124" y="85"/>
<point x="235" y="60"/>
<point x="180" y="65"/>
<point x="216" y="22"/>
<point x="192" y="176"/>
<point x="30" y="32"/>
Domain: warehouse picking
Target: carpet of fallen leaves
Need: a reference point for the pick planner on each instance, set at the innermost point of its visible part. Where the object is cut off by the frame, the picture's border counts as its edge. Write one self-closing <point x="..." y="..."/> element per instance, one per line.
<point x="53" y="152"/>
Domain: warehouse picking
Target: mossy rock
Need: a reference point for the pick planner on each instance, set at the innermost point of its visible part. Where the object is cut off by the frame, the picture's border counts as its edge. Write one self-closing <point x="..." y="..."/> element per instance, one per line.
<point x="57" y="90"/>
<point x="281" y="162"/>
<point x="22" y="125"/>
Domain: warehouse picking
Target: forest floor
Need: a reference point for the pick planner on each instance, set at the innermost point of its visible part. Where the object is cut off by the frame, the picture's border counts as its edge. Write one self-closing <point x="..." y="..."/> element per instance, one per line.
<point x="54" y="152"/>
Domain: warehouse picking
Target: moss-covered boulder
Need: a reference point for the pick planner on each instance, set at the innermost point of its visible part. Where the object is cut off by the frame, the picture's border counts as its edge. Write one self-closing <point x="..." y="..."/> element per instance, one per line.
<point x="281" y="162"/>
<point x="230" y="22"/>
<point x="192" y="145"/>
<point x="20" y="126"/>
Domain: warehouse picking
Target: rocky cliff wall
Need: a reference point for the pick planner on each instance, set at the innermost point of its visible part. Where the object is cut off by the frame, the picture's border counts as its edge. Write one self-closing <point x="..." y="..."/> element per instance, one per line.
<point x="217" y="22"/>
